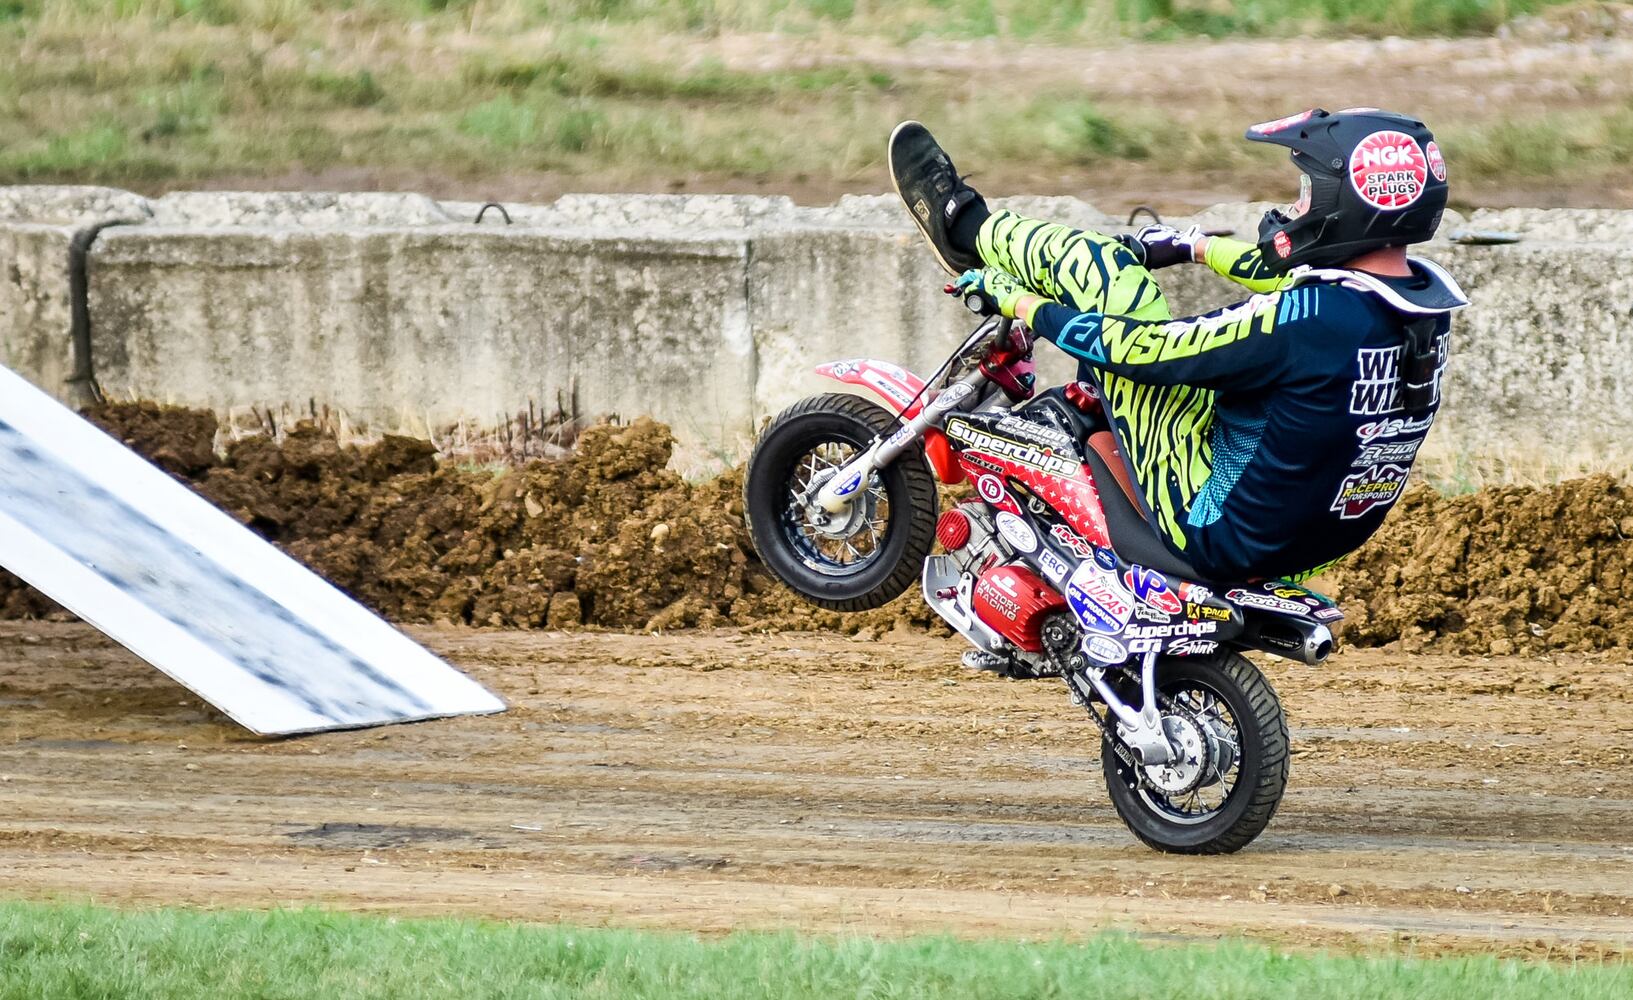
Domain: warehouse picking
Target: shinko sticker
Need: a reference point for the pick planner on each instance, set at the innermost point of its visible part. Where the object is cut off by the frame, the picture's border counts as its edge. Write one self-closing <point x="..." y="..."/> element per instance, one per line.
<point x="1388" y="170"/>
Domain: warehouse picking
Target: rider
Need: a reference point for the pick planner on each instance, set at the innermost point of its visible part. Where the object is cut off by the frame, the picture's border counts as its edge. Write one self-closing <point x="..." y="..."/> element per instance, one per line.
<point x="1271" y="437"/>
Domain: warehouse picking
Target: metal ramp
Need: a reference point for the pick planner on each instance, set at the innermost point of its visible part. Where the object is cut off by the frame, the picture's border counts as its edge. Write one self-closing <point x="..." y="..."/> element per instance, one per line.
<point x="163" y="572"/>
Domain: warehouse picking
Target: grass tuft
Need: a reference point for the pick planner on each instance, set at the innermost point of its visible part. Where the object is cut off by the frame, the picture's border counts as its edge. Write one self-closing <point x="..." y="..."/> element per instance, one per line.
<point x="82" y="951"/>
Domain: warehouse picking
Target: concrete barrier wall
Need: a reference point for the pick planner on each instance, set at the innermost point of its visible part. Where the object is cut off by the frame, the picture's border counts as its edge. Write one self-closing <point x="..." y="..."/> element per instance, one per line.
<point x="705" y="311"/>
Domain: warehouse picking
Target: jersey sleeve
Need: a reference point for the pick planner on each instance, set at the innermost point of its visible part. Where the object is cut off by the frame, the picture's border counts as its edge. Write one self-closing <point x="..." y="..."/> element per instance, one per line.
<point x="1242" y="263"/>
<point x="1242" y="347"/>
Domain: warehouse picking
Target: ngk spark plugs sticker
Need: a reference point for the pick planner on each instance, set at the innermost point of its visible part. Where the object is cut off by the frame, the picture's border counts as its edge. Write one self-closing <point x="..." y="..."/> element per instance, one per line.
<point x="1359" y="493"/>
<point x="1437" y="163"/>
<point x="1099" y="605"/>
<point x="1017" y="532"/>
<point x="1388" y="170"/>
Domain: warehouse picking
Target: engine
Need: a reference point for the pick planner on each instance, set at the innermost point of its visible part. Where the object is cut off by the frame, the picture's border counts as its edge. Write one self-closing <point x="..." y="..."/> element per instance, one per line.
<point x="968" y="535"/>
<point x="1014" y="601"/>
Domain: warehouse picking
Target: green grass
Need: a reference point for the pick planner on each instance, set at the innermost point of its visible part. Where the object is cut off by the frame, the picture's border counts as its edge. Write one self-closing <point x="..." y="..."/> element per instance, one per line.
<point x="56" y="951"/>
<point x="155" y="94"/>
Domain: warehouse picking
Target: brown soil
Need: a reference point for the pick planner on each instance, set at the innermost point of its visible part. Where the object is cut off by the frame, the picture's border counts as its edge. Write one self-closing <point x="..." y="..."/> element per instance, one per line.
<point x="611" y="537"/>
<point x="718" y="780"/>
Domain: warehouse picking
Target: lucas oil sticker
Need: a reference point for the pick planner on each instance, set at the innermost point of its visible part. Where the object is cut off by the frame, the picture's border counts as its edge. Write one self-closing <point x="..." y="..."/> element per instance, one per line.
<point x="1380" y="484"/>
<point x="1100" y="606"/>
<point x="1388" y="170"/>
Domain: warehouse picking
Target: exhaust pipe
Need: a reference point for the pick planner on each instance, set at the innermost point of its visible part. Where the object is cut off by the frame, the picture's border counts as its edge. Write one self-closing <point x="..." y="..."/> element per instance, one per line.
<point x="1297" y="639"/>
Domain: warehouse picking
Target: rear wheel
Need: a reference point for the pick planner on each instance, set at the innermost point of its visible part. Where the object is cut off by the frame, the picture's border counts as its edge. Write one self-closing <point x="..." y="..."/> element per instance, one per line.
<point x="859" y="558"/>
<point x="1223" y="788"/>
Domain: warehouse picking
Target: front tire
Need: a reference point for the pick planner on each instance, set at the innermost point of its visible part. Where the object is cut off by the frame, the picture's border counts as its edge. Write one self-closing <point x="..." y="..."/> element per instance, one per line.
<point x="1225" y="692"/>
<point x="895" y="516"/>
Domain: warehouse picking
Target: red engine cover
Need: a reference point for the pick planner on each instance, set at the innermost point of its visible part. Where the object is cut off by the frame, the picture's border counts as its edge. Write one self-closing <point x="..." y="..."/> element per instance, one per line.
<point x="1013" y="601"/>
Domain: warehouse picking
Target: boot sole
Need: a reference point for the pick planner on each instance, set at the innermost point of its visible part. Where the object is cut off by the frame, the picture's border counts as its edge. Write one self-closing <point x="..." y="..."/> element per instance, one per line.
<point x="890" y="157"/>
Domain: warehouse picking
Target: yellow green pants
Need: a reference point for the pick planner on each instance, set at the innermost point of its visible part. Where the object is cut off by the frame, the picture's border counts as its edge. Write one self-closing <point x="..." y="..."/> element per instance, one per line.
<point x="1163" y="430"/>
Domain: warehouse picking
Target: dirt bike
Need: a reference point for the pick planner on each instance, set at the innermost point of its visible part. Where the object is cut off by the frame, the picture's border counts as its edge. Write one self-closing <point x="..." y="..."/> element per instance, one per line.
<point x="1051" y="569"/>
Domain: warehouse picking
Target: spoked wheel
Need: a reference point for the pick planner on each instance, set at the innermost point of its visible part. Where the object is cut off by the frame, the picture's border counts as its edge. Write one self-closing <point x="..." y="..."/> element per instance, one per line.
<point x="1231" y="770"/>
<point x="868" y="553"/>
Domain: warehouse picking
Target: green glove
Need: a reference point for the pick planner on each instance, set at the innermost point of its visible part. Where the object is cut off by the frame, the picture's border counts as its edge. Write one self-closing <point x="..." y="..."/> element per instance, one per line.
<point x="997" y="288"/>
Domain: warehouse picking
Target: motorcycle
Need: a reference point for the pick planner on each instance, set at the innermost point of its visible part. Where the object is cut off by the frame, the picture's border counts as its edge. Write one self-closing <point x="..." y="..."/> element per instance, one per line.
<point x="1051" y="569"/>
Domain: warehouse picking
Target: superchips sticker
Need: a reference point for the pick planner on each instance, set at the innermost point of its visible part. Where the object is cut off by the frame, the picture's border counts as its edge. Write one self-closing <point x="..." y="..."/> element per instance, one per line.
<point x="1388" y="170"/>
<point x="1437" y="163"/>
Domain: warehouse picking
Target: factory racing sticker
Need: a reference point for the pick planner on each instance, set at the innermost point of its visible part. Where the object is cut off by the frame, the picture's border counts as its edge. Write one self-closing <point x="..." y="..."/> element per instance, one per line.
<point x="1380" y="484"/>
<point x="1388" y="170"/>
<point x="1099" y="606"/>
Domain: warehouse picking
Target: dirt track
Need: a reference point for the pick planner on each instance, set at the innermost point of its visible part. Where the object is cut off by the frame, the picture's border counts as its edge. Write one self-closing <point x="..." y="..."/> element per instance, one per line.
<point x="718" y="780"/>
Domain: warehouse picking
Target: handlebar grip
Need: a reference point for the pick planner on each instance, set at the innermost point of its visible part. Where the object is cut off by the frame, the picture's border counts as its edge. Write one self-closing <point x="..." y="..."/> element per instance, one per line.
<point x="975" y="303"/>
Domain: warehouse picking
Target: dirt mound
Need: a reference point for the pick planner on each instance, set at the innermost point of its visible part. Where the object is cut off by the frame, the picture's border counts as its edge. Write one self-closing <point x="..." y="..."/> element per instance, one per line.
<point x="609" y="536"/>
<point x="1504" y="570"/>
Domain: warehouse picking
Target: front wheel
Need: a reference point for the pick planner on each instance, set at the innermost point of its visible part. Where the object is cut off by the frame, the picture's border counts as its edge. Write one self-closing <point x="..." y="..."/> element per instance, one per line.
<point x="857" y="559"/>
<point x="1221" y="791"/>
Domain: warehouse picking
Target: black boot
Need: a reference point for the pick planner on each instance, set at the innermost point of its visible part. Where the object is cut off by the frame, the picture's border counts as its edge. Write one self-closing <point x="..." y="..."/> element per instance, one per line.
<point x="947" y="211"/>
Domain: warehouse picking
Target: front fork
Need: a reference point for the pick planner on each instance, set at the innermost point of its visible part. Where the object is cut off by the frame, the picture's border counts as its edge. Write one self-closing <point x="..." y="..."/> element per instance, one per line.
<point x="835" y="494"/>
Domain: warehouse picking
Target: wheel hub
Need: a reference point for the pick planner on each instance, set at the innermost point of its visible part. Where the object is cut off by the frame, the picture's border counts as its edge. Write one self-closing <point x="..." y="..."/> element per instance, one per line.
<point x="845" y="523"/>
<point x="1193" y="753"/>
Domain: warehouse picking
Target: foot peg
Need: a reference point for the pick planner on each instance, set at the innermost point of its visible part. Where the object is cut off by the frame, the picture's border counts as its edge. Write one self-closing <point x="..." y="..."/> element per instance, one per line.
<point x="980" y="659"/>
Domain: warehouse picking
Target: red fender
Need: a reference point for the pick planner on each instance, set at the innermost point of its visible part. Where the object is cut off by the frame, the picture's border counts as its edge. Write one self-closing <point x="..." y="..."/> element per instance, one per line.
<point x="899" y="387"/>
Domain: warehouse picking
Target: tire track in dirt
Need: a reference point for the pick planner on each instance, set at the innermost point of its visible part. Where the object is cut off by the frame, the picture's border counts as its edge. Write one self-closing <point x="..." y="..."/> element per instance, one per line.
<point x="720" y="780"/>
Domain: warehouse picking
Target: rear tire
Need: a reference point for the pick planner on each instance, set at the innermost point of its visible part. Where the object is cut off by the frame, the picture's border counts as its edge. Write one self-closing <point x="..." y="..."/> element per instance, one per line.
<point x="907" y="486"/>
<point x="1263" y="761"/>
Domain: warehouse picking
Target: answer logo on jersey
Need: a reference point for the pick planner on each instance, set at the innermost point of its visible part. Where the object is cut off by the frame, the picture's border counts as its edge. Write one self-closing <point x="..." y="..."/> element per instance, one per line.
<point x="1388" y="170"/>
<point x="1381" y="484"/>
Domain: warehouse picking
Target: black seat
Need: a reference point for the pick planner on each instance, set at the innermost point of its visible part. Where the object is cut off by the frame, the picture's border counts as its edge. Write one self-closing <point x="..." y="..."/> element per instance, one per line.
<point x="1052" y="407"/>
<point x="1132" y="536"/>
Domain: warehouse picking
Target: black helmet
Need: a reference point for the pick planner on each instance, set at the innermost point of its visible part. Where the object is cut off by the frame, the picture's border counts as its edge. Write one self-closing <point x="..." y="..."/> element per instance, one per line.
<point x="1371" y="179"/>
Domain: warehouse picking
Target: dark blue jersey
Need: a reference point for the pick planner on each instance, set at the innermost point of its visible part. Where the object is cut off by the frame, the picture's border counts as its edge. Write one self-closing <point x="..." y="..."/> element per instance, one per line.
<point x="1310" y="442"/>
